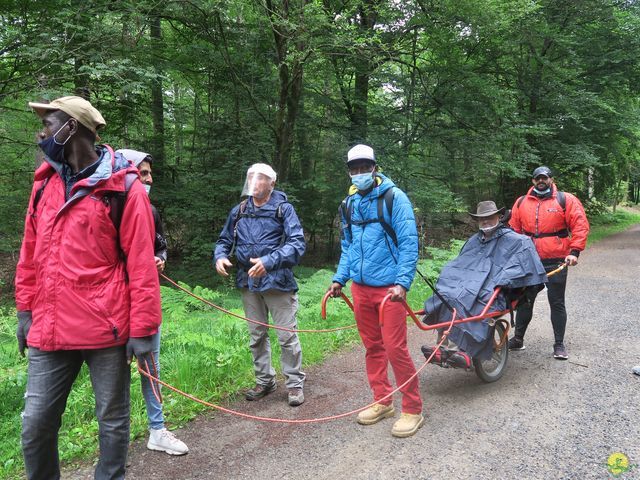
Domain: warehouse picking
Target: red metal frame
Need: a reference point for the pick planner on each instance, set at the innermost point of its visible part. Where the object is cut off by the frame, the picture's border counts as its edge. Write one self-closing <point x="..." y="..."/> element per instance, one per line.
<point x="422" y="326"/>
<point x="414" y="315"/>
<point x="323" y="311"/>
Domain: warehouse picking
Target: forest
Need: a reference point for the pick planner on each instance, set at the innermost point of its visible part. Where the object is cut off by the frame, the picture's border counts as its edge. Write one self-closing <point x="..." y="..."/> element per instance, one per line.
<point x="460" y="99"/>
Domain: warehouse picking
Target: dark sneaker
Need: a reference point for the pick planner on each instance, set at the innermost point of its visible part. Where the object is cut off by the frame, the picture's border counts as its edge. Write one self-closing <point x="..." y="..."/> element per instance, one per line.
<point x="296" y="397"/>
<point x="459" y="360"/>
<point x="560" y="352"/>
<point x="516" y="343"/>
<point x="439" y="358"/>
<point x="259" y="391"/>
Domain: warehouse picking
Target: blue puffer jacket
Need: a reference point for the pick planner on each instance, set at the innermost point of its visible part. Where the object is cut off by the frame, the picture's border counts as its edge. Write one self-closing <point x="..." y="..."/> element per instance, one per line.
<point x="278" y="242"/>
<point x="369" y="256"/>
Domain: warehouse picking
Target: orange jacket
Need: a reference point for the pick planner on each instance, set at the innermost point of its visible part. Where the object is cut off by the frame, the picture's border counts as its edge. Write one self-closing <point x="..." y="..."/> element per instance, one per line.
<point x="555" y="233"/>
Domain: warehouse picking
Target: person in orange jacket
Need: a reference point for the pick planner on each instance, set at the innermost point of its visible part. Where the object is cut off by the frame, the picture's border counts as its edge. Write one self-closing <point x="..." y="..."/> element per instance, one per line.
<point x="558" y="226"/>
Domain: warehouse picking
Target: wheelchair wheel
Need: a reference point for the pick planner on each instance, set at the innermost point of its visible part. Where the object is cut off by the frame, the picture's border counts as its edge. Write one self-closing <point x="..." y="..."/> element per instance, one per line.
<point x="492" y="369"/>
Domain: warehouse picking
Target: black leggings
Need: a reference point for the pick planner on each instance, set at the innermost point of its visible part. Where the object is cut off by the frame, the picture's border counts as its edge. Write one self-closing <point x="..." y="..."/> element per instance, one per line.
<point x="555" y="293"/>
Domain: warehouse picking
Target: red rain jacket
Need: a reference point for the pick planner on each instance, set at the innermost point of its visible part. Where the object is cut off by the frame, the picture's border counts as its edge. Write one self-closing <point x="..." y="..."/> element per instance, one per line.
<point x="72" y="274"/>
<point x="555" y="233"/>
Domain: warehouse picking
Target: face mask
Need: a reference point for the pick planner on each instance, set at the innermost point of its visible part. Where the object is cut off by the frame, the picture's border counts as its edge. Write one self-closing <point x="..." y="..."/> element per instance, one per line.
<point x="53" y="149"/>
<point x="489" y="229"/>
<point x="362" y="181"/>
<point x="147" y="188"/>
<point x="542" y="192"/>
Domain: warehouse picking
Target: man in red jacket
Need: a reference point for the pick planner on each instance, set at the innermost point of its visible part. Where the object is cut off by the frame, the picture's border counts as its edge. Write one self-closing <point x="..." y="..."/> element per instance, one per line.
<point x="559" y="227"/>
<point x="86" y="285"/>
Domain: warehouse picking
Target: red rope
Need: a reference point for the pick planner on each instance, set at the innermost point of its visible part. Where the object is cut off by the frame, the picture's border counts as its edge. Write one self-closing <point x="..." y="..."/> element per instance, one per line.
<point x="299" y="421"/>
<point x="277" y="327"/>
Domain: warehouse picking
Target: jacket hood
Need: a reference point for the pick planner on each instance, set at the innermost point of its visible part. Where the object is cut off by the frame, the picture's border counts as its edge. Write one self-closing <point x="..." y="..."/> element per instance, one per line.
<point x="109" y="175"/>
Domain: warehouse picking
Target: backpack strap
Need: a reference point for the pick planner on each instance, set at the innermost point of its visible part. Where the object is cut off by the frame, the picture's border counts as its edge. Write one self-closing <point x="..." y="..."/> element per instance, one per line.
<point x="562" y="200"/>
<point x="239" y="214"/>
<point x="117" y="200"/>
<point x="38" y="196"/>
<point x="387" y="199"/>
<point x="346" y="208"/>
<point x="560" y="197"/>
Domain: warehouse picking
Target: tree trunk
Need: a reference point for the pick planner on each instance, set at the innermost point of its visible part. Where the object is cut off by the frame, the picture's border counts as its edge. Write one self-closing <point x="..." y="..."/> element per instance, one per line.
<point x="157" y="103"/>
<point x="290" y="83"/>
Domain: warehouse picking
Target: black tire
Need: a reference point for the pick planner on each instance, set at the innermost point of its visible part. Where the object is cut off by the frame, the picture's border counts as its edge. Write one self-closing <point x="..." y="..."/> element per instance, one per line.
<point x="492" y="370"/>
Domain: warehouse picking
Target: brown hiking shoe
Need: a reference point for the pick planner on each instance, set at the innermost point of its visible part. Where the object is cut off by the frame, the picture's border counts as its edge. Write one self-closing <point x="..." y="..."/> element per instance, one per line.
<point x="295" y="397"/>
<point x="407" y="425"/>
<point x="259" y="391"/>
<point x="375" y="413"/>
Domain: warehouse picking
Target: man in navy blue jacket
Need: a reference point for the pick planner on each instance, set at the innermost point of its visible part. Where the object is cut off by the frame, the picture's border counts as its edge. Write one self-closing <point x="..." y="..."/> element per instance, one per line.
<point x="268" y="240"/>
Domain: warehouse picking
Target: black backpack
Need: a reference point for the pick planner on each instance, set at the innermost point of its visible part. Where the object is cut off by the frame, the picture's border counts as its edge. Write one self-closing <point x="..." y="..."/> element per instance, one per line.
<point x="346" y="208"/>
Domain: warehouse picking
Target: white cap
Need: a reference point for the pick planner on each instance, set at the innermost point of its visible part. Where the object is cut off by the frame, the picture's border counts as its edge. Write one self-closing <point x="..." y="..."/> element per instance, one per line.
<point x="361" y="152"/>
<point x="264" y="169"/>
<point x="134" y="156"/>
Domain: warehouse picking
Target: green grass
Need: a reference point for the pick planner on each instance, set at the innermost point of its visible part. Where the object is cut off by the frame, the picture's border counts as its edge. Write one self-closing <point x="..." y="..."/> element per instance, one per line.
<point x="604" y="225"/>
<point x="204" y="353"/>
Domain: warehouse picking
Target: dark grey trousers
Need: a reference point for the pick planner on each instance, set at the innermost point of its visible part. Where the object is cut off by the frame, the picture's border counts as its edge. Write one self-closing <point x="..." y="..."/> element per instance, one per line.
<point x="50" y="378"/>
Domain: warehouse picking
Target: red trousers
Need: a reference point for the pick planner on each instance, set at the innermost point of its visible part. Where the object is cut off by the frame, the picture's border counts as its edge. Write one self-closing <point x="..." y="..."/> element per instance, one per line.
<point x="384" y="345"/>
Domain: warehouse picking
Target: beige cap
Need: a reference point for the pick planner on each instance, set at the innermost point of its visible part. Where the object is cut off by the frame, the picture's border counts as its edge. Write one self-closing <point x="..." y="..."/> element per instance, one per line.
<point x="76" y="107"/>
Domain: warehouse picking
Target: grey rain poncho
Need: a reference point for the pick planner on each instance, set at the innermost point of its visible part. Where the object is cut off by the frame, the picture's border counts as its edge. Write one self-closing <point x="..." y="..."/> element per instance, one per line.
<point x="508" y="260"/>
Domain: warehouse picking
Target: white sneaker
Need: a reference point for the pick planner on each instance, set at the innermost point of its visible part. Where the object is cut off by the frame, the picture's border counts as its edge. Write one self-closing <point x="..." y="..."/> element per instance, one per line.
<point x="164" y="441"/>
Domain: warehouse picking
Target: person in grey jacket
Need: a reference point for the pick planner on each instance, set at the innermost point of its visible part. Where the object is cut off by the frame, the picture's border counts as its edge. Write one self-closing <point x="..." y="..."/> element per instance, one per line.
<point x="264" y="233"/>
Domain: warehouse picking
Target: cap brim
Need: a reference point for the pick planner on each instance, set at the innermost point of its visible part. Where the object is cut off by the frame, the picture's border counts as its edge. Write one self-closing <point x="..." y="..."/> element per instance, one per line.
<point x="361" y="160"/>
<point x="42" y="108"/>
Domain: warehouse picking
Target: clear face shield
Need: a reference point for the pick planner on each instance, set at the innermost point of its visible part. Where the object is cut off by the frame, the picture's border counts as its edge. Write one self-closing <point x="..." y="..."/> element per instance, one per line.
<point x="260" y="181"/>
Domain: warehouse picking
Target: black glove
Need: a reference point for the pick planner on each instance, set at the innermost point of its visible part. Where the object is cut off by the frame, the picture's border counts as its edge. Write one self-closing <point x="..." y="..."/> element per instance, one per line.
<point x="139" y="347"/>
<point x="24" y="324"/>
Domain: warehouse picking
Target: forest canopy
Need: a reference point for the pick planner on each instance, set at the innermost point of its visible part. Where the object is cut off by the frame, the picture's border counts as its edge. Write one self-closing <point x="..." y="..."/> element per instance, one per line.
<point x="460" y="99"/>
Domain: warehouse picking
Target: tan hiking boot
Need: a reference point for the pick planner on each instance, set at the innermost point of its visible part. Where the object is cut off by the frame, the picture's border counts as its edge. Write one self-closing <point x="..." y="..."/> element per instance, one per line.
<point x="407" y="425"/>
<point x="375" y="413"/>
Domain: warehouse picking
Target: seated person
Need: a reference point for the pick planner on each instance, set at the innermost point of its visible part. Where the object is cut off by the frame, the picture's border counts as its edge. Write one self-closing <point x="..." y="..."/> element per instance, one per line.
<point x="496" y="256"/>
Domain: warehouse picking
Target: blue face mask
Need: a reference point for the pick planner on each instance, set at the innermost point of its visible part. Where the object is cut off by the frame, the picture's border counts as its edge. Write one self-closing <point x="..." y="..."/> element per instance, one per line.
<point x="542" y="192"/>
<point x="362" y="181"/>
<point x="53" y="149"/>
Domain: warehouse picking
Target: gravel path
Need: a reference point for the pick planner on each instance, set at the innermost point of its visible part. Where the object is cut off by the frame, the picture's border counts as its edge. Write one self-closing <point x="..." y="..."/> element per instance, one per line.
<point x="545" y="419"/>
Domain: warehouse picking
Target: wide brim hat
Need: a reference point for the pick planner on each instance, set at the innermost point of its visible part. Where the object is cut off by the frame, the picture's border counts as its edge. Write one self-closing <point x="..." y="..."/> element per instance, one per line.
<point x="486" y="209"/>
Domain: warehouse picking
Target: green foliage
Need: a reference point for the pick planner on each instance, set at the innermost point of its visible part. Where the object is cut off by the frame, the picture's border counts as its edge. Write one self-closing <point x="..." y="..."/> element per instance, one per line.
<point x="609" y="223"/>
<point x="461" y="99"/>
